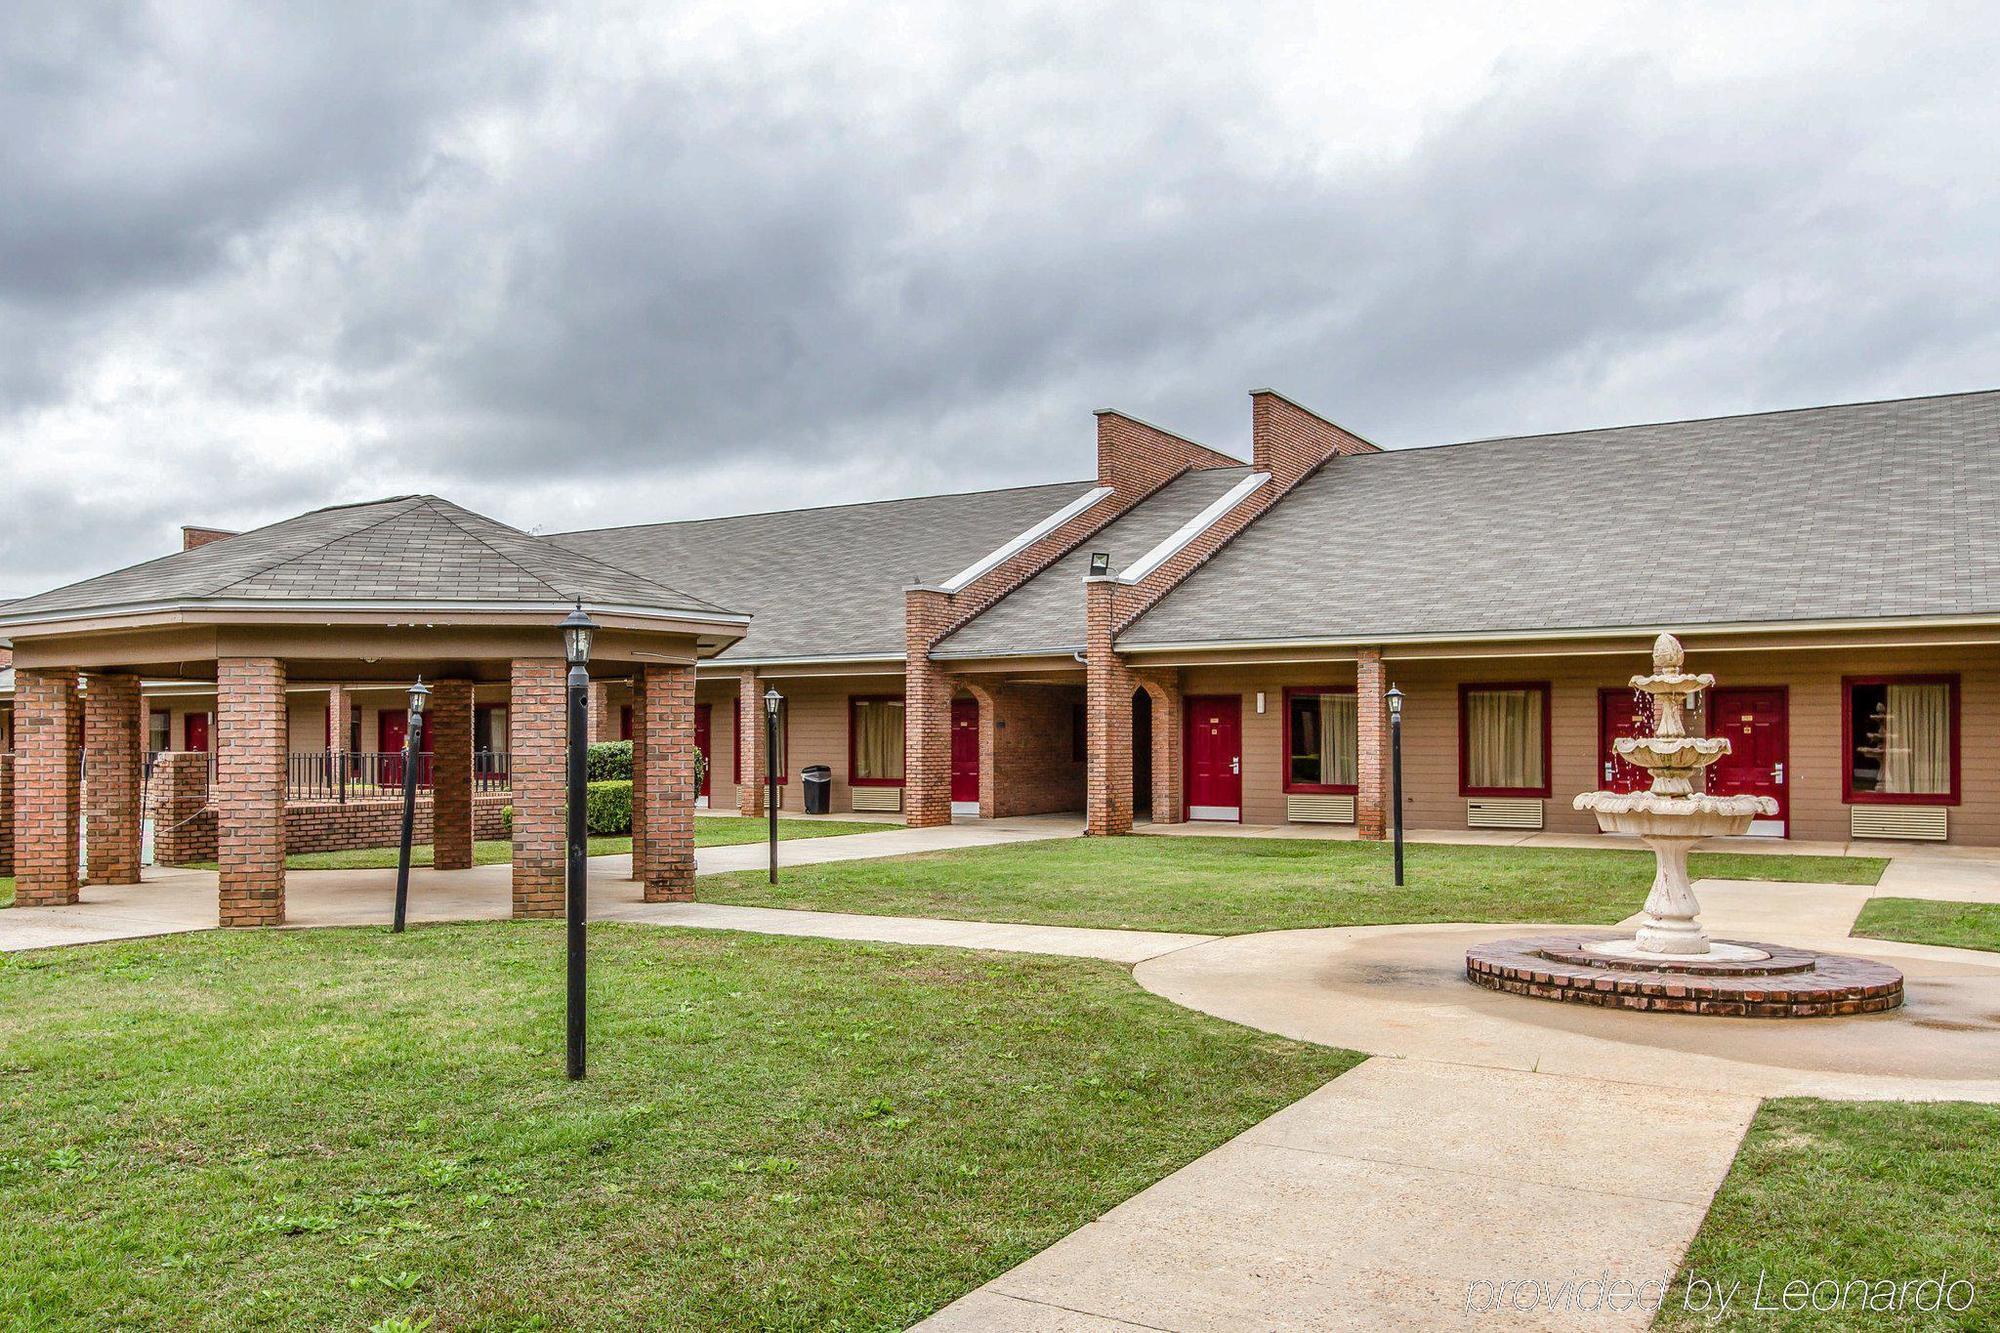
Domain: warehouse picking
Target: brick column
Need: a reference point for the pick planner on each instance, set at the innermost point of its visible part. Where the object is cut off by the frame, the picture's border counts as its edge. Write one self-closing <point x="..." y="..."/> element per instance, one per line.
<point x="538" y="727"/>
<point x="927" y="695"/>
<point x="337" y="706"/>
<point x="6" y="812"/>
<point x="1371" y="712"/>
<point x="750" y="738"/>
<point x="663" y="710"/>
<point x="251" y="725"/>
<point x="642" y="789"/>
<point x="179" y="795"/>
<point x="603" y="717"/>
<point x="449" y="721"/>
<point x="47" y="782"/>
<point x="112" y="761"/>
<point x="1108" y="687"/>
<point x="1168" y="709"/>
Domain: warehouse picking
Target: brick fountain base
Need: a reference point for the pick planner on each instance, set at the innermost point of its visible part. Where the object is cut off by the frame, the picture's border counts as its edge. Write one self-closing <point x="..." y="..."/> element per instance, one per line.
<point x="1785" y="983"/>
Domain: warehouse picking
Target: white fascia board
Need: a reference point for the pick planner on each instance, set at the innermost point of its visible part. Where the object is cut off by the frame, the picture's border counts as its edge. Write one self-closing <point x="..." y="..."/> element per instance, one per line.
<point x="994" y="558"/>
<point x="1193" y="528"/>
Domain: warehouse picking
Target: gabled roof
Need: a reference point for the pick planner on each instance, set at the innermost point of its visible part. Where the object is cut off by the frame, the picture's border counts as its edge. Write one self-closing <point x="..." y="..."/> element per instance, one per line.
<point x="415" y="550"/>
<point x="1862" y="511"/>
<point x="828" y="582"/>
<point x="1045" y="615"/>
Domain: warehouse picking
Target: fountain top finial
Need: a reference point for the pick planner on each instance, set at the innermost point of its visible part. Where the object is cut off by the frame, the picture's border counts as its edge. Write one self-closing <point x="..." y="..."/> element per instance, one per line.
<point x="1667" y="653"/>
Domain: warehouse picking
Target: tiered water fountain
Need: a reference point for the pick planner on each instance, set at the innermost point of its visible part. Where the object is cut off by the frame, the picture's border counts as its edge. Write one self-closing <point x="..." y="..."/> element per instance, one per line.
<point x="1670" y="964"/>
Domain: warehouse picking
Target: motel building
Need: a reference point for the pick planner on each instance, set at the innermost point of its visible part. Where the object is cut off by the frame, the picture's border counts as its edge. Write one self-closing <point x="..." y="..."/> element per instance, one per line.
<point x="1182" y="636"/>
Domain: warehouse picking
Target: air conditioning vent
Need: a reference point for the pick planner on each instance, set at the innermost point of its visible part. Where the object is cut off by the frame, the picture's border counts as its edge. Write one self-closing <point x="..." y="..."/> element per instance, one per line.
<point x="1319" y="809"/>
<point x="1503" y="812"/>
<point x="1906" y="823"/>
<point x="880" y="800"/>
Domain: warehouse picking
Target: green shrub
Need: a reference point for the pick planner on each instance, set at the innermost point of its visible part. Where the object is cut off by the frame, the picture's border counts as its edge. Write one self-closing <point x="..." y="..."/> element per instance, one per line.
<point x="609" y="761"/>
<point x="507" y="820"/>
<point x="608" y="807"/>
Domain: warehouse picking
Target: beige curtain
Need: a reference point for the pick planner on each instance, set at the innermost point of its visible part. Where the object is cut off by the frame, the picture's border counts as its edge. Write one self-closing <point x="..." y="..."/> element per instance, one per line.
<point x="1340" y="743"/>
<point x="878" y="739"/>
<point x="1503" y="738"/>
<point x="1916" y="741"/>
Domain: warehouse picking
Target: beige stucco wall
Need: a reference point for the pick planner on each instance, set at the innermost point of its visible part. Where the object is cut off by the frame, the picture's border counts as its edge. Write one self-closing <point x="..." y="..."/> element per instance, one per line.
<point x="1811" y="678"/>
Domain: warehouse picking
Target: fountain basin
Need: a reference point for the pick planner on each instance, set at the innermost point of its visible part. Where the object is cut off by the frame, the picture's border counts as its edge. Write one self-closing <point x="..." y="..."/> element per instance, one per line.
<point x="1687" y="752"/>
<point x="1648" y="814"/>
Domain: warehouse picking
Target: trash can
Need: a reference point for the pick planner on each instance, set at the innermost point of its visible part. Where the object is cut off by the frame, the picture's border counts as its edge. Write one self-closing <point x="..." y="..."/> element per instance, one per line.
<point x="819" y="788"/>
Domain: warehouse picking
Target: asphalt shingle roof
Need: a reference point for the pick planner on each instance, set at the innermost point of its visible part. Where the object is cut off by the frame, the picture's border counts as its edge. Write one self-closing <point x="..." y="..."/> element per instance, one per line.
<point x="413" y="548"/>
<point x="1045" y="614"/>
<point x="1858" y="511"/>
<point x="828" y="582"/>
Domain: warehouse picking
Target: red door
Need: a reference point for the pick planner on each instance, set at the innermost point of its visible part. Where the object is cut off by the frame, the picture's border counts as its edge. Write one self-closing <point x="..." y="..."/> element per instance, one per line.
<point x="965" y="752"/>
<point x="1759" y="732"/>
<point x="197" y="732"/>
<point x="1215" y="758"/>
<point x="1619" y="713"/>
<point x="392" y="733"/>
<point x="701" y="744"/>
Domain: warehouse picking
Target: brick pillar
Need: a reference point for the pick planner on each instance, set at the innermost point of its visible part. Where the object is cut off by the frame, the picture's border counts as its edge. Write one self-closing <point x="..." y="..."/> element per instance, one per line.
<point x="179" y="794"/>
<point x="1168" y="709"/>
<point x="927" y="692"/>
<point x="663" y="710"/>
<point x="603" y="717"/>
<point x="449" y="722"/>
<point x="642" y="789"/>
<point x="337" y="707"/>
<point x="251" y="725"/>
<point x="47" y="782"/>
<point x="1371" y="712"/>
<point x="6" y="812"/>
<point x="538" y="725"/>
<point x="750" y="737"/>
<point x="113" y="761"/>
<point x="1108" y="688"/>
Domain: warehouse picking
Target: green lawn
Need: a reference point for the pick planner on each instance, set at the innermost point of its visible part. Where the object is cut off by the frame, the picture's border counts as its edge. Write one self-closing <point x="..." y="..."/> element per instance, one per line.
<point x="331" y="1127"/>
<point x="6" y="891"/>
<point x="1830" y="1192"/>
<point x="1234" y="885"/>
<point x="709" y="831"/>
<point x="1920" y="921"/>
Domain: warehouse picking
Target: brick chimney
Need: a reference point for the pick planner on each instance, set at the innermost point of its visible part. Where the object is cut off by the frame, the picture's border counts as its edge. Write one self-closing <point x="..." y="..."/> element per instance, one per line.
<point x="192" y="537"/>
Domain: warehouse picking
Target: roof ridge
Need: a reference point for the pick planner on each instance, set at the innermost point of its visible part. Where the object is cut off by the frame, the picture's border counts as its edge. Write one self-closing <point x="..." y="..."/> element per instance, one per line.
<point x="598" y="562"/>
<point x="1686" y="421"/>
<point x="820" y="509"/>
<point x="531" y="573"/>
<point x="221" y="588"/>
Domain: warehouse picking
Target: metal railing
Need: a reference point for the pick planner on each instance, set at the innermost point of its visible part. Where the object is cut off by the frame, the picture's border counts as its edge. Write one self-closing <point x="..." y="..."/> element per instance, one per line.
<point x="357" y="775"/>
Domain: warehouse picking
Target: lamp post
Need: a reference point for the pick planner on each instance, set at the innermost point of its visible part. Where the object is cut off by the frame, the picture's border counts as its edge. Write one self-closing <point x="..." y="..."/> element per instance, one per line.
<point x="577" y="629"/>
<point x="413" y="749"/>
<point x="773" y="701"/>
<point x="1395" y="698"/>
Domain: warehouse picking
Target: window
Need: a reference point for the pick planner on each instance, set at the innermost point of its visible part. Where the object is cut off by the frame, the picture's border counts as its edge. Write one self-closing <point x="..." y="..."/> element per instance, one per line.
<point x="1322" y="745"/>
<point x="1901" y="738"/>
<point x="159" y="732"/>
<point x="875" y="742"/>
<point x="784" y="739"/>
<point x="1503" y="740"/>
<point x="489" y="728"/>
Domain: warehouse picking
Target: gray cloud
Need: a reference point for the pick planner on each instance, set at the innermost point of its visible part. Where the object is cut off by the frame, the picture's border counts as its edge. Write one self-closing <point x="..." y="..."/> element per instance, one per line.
<point x="577" y="264"/>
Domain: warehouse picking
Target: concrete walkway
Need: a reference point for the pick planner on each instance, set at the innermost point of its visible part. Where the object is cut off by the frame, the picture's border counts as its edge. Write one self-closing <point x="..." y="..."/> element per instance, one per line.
<point x="173" y="901"/>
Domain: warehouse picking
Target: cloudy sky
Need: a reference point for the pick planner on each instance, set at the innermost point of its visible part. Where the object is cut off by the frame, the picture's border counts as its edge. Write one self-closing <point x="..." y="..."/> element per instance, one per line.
<point x="583" y="264"/>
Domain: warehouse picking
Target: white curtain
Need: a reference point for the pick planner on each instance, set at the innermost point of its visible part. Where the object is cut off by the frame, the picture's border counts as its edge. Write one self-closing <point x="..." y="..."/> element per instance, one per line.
<point x="1340" y="744"/>
<point x="878" y="739"/>
<point x="1916" y="740"/>
<point x="1503" y="738"/>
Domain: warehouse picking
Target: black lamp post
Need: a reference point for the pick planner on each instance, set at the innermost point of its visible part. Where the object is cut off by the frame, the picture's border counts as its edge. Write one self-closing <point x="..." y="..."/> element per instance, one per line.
<point x="577" y="629"/>
<point x="1395" y="698"/>
<point x="773" y="701"/>
<point x="413" y="749"/>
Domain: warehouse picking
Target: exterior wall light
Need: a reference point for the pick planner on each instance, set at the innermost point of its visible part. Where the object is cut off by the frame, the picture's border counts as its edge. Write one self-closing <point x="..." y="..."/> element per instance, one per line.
<point x="1100" y="564"/>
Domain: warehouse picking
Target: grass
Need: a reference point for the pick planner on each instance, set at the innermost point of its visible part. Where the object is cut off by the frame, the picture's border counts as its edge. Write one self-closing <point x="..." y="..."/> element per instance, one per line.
<point x="332" y="1127"/>
<point x="709" y="831"/>
<point x="1830" y="1192"/>
<point x="1235" y="885"/>
<point x="1921" y="921"/>
<point x="6" y="891"/>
